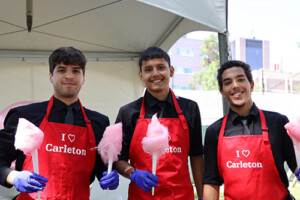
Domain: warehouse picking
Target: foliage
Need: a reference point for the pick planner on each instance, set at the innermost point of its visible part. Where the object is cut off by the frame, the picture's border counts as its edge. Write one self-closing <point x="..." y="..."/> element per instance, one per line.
<point x="206" y="79"/>
<point x="257" y="88"/>
<point x="210" y="49"/>
<point x="297" y="88"/>
<point x="209" y="77"/>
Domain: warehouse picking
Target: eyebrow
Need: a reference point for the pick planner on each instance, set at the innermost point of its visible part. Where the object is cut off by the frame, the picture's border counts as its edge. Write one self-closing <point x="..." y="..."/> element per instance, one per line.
<point x="62" y="67"/>
<point x="76" y="67"/>
<point x="146" y="66"/>
<point x="59" y="66"/>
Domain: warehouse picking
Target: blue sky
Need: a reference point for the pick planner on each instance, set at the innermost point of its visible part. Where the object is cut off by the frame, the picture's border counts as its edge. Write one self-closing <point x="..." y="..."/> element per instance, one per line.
<point x="275" y="20"/>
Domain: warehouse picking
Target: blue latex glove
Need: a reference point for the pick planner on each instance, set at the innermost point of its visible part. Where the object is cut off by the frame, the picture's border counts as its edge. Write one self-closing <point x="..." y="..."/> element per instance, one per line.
<point x="298" y="174"/>
<point x="200" y="199"/>
<point x="144" y="179"/>
<point x="110" y="181"/>
<point x="28" y="182"/>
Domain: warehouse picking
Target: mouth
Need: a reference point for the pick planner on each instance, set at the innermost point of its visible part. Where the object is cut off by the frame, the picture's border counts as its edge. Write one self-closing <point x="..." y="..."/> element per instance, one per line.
<point x="69" y="83"/>
<point x="237" y="94"/>
<point x="156" y="81"/>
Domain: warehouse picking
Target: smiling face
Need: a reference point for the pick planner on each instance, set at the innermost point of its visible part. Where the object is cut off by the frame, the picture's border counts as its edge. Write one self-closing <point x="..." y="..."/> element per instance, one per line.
<point x="156" y="73"/>
<point x="67" y="81"/>
<point x="237" y="90"/>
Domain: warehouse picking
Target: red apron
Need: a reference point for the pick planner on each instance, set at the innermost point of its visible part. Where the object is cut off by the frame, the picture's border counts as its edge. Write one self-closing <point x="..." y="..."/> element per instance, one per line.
<point x="247" y="166"/>
<point x="172" y="167"/>
<point x="65" y="159"/>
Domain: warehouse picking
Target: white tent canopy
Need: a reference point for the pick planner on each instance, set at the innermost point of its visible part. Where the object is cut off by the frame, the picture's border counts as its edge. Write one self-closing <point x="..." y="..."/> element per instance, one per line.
<point x="108" y="28"/>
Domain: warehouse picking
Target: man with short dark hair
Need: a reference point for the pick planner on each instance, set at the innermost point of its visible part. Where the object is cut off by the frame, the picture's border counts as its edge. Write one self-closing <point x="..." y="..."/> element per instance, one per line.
<point x="247" y="148"/>
<point x="70" y="131"/>
<point x="181" y="116"/>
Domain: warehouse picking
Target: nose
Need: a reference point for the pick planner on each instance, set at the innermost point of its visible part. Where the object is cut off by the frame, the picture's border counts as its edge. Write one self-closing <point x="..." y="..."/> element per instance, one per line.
<point x="155" y="72"/>
<point x="69" y="74"/>
<point x="235" y="84"/>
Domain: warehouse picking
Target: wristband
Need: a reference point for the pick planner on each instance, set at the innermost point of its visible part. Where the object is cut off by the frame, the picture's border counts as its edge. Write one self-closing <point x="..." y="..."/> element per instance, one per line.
<point x="133" y="169"/>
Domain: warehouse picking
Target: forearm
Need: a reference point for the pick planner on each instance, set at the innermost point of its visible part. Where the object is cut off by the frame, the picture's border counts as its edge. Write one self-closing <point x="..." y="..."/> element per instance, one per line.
<point x="197" y="170"/>
<point x="4" y="172"/>
<point x="211" y="192"/>
<point x="10" y="177"/>
<point x="124" y="168"/>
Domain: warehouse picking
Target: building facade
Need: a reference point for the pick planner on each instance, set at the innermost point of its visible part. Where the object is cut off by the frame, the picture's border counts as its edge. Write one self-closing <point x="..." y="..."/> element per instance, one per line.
<point x="186" y="58"/>
<point x="254" y="52"/>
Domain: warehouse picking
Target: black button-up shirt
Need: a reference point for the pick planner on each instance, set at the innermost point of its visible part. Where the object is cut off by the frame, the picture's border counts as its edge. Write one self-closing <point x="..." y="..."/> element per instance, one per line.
<point x="35" y="114"/>
<point x="129" y="115"/>
<point x="281" y="143"/>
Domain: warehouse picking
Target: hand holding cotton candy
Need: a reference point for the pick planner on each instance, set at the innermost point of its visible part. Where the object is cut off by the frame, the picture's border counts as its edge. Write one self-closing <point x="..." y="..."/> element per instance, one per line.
<point x="28" y="139"/>
<point x="156" y="141"/>
<point x="293" y="129"/>
<point x="110" y="145"/>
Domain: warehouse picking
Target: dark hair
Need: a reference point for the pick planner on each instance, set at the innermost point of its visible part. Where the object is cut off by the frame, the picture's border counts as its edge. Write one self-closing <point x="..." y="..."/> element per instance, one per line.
<point x="67" y="56"/>
<point x="234" y="63"/>
<point x="151" y="53"/>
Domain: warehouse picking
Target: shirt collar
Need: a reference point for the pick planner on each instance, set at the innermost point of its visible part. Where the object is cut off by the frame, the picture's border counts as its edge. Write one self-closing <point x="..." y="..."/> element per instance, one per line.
<point x="235" y="118"/>
<point x="151" y="101"/>
<point x="59" y="105"/>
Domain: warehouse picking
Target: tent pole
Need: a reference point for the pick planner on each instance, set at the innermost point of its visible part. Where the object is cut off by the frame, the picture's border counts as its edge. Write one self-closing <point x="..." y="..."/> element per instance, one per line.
<point x="29" y="5"/>
<point x="224" y="53"/>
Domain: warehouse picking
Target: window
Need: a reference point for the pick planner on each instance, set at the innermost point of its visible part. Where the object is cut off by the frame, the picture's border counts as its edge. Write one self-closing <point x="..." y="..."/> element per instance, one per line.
<point x="184" y="52"/>
<point x="181" y="87"/>
<point x="183" y="70"/>
<point x="187" y="70"/>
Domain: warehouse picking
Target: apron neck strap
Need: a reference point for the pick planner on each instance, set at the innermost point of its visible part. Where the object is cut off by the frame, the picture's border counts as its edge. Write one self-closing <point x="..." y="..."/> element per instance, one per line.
<point x="83" y="112"/>
<point x="264" y="128"/>
<point x="222" y="131"/>
<point x="179" y="111"/>
<point x="177" y="108"/>
<point x="50" y="105"/>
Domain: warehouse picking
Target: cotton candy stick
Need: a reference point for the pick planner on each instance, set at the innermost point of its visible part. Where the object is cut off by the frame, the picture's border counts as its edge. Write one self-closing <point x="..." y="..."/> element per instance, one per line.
<point x="35" y="161"/>
<point x="110" y="145"/>
<point x="155" y="142"/>
<point x="293" y="129"/>
<point x="28" y="139"/>
<point x="154" y="164"/>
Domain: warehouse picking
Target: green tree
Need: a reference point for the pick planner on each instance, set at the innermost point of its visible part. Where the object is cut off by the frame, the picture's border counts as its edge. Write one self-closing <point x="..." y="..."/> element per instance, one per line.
<point x="207" y="78"/>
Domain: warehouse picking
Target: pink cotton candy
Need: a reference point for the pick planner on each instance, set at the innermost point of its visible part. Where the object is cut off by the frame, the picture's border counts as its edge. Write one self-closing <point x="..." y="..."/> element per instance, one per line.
<point x="28" y="137"/>
<point x="156" y="140"/>
<point x="111" y="144"/>
<point x="293" y="129"/>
